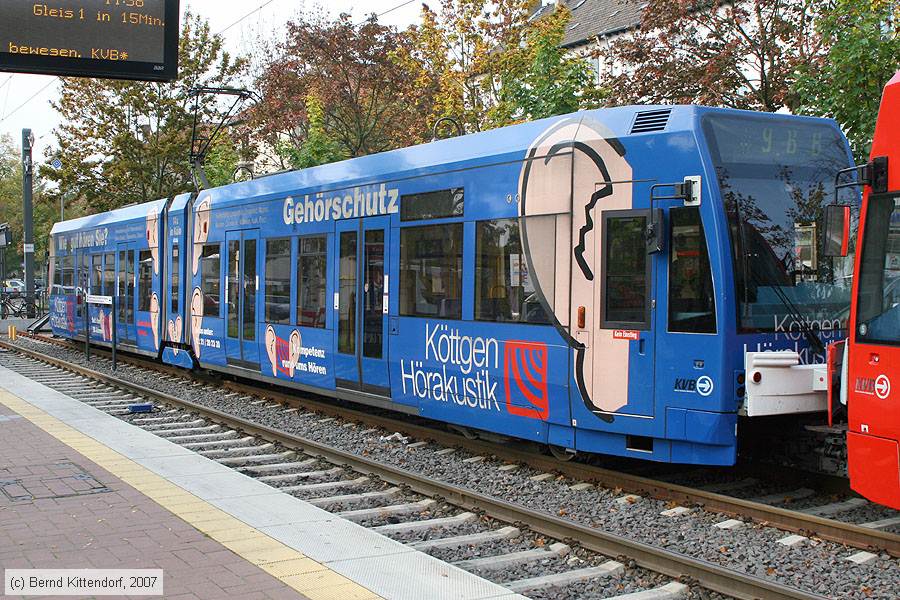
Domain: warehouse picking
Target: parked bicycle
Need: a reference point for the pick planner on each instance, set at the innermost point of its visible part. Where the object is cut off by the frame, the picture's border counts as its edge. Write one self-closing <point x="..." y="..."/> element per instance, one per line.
<point x="16" y="307"/>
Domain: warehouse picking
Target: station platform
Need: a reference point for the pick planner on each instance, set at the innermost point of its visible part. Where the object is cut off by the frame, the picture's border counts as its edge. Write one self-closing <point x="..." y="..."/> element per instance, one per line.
<point x="20" y="324"/>
<point x="83" y="489"/>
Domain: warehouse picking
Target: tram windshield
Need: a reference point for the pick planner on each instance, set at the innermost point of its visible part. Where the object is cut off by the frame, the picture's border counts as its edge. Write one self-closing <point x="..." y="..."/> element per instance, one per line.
<point x="776" y="176"/>
<point x="878" y="317"/>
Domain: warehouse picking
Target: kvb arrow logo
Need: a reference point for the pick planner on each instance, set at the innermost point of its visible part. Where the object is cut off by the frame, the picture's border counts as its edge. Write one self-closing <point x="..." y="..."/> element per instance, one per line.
<point x="704" y="386"/>
<point x="882" y="387"/>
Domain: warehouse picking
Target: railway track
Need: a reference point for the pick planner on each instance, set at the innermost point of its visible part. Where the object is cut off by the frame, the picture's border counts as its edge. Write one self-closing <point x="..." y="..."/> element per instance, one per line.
<point x="822" y="521"/>
<point x="386" y="488"/>
<point x="427" y="515"/>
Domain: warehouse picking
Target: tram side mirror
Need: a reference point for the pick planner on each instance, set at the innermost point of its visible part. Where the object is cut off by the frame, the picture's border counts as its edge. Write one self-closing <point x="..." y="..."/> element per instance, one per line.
<point x="837" y="230"/>
<point x="691" y="190"/>
<point x="654" y="236"/>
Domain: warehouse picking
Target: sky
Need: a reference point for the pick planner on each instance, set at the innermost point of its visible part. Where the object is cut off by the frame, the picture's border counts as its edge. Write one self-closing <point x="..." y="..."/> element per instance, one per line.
<point x="25" y="99"/>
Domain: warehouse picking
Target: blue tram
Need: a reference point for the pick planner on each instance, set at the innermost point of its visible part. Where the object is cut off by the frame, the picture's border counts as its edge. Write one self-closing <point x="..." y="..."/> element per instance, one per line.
<point x="591" y="281"/>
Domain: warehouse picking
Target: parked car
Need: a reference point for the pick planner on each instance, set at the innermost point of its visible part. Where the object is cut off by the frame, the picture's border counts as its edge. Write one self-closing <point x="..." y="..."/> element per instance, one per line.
<point x="14" y="286"/>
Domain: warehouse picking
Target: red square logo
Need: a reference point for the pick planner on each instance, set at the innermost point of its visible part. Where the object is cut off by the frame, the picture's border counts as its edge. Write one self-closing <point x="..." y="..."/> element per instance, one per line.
<point x="526" y="379"/>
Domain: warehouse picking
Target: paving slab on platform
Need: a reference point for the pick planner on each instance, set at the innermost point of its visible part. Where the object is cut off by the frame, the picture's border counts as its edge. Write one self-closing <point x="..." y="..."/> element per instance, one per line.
<point x="294" y="542"/>
<point x="59" y="510"/>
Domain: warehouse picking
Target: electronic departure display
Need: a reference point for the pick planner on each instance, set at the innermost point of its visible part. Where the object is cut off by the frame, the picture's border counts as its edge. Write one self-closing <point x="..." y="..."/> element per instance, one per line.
<point x="117" y="39"/>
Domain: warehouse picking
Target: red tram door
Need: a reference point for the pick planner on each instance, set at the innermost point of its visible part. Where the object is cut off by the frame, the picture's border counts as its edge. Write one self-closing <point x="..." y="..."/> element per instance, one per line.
<point x="361" y="304"/>
<point x="241" y="292"/>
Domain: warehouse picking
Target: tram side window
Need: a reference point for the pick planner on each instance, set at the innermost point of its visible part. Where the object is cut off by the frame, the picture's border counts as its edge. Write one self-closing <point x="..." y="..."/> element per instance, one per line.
<point x="504" y="286"/>
<point x="626" y="271"/>
<point x="174" y="279"/>
<point x="210" y="279"/>
<point x="311" y="279"/>
<point x="57" y="275"/>
<point x="109" y="274"/>
<point x="692" y="306"/>
<point x="878" y="315"/>
<point x="97" y="274"/>
<point x="431" y="271"/>
<point x="432" y="205"/>
<point x="145" y="279"/>
<point x="67" y="274"/>
<point x="278" y="281"/>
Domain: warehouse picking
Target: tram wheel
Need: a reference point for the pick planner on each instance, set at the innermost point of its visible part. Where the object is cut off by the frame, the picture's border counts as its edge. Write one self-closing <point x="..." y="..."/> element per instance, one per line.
<point x="561" y="454"/>
<point x="464" y="431"/>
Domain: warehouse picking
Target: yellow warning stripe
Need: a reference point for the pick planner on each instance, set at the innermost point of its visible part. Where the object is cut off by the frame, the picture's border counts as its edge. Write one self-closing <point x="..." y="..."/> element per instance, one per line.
<point x="310" y="578"/>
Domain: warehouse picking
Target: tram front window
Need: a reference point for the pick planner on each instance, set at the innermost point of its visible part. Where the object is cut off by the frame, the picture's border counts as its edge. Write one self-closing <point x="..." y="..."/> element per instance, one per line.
<point x="776" y="176"/>
<point x="878" y="318"/>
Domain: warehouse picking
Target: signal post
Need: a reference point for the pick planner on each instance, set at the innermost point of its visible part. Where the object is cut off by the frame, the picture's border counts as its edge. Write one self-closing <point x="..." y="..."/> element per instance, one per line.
<point x="28" y="215"/>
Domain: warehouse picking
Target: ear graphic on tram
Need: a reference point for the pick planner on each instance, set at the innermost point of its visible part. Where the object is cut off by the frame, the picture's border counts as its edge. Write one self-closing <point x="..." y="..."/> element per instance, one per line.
<point x="594" y="160"/>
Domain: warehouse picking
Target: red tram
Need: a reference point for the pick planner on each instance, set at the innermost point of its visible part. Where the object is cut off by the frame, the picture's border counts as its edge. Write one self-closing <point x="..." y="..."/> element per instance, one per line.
<point x="871" y="371"/>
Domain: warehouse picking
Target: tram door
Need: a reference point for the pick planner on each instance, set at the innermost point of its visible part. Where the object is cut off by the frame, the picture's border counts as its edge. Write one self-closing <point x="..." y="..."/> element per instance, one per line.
<point x="361" y="303"/>
<point x="82" y="288"/>
<point x="624" y="295"/>
<point x="241" y="286"/>
<point x="125" y="282"/>
<point x="614" y="313"/>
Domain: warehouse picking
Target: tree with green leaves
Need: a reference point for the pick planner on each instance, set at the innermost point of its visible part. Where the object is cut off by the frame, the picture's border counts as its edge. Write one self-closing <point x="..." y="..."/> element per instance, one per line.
<point x="45" y="211"/>
<point x="462" y="56"/>
<point x="863" y="53"/>
<point x="318" y="147"/>
<point x="358" y="90"/>
<point x="432" y="84"/>
<point x="222" y="159"/>
<point x="553" y="82"/>
<point x="126" y="142"/>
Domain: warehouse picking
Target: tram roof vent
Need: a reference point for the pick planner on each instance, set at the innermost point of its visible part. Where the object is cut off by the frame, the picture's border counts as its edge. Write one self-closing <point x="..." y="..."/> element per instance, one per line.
<point x="651" y="120"/>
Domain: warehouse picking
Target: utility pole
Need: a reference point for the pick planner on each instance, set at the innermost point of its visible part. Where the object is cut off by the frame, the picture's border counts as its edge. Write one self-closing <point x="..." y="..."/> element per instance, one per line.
<point x="57" y="164"/>
<point x="63" y="198"/>
<point x="28" y="214"/>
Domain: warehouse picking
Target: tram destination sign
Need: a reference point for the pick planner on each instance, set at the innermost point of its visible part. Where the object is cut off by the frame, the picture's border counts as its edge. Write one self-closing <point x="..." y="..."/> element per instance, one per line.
<point x="112" y="39"/>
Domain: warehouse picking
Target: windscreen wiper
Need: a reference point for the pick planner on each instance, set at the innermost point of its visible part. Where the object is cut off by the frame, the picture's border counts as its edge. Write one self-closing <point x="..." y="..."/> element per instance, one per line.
<point x="814" y="342"/>
<point x="794" y="313"/>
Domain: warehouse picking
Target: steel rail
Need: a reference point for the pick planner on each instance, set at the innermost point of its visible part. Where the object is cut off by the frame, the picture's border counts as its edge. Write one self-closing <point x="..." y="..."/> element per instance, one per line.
<point x="809" y="525"/>
<point x="707" y="574"/>
<point x="781" y="518"/>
